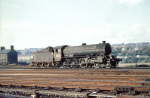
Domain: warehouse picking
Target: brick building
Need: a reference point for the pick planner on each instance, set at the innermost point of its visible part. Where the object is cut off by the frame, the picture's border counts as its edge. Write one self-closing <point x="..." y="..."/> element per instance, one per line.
<point x="8" y="56"/>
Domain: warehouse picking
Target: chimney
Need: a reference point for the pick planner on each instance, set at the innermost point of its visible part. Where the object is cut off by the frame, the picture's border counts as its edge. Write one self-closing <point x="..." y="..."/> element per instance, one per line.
<point x="2" y="48"/>
<point x="83" y="44"/>
<point x="12" y="47"/>
<point x="104" y="42"/>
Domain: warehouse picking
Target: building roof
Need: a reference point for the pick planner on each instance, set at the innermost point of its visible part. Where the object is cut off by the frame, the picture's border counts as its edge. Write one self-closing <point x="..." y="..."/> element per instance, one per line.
<point x="5" y="51"/>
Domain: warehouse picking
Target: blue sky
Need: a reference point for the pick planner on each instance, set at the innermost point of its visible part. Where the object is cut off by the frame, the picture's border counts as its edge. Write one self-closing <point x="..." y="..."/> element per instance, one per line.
<point x="42" y="23"/>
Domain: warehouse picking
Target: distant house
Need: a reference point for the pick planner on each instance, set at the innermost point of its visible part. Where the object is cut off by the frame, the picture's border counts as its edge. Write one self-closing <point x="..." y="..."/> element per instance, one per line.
<point x="8" y="56"/>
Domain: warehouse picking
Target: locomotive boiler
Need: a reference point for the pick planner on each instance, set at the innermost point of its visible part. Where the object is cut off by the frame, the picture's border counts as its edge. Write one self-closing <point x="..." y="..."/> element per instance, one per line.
<point x="84" y="56"/>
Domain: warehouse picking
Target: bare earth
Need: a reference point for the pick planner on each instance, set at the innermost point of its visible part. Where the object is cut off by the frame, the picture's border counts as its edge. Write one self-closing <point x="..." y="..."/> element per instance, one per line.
<point x="106" y="79"/>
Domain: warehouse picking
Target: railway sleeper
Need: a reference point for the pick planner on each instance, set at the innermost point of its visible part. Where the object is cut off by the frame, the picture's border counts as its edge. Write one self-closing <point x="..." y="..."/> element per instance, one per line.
<point x="34" y="90"/>
<point x="131" y="90"/>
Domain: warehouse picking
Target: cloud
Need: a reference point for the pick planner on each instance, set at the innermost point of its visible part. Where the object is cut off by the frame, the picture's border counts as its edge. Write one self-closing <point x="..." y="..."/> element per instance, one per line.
<point x="130" y="2"/>
<point x="21" y="34"/>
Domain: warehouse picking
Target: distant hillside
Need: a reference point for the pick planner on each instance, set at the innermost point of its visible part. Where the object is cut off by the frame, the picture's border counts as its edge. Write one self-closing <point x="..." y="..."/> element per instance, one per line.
<point x="132" y="52"/>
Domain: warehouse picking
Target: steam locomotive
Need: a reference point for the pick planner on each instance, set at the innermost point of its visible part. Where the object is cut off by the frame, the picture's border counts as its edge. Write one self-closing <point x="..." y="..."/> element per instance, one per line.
<point x="84" y="56"/>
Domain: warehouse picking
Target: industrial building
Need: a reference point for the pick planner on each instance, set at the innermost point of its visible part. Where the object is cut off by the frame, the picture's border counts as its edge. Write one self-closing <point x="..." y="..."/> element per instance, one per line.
<point x="8" y="56"/>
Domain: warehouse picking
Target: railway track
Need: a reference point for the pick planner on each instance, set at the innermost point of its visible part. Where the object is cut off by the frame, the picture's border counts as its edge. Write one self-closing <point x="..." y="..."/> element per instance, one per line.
<point x="116" y="81"/>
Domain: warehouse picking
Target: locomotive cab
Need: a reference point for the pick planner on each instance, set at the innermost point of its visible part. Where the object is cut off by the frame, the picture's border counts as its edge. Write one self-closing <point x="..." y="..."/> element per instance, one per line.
<point x="58" y="54"/>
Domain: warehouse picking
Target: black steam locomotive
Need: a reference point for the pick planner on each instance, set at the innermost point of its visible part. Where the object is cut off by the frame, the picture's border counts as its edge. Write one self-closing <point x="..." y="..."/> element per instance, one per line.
<point x="84" y="56"/>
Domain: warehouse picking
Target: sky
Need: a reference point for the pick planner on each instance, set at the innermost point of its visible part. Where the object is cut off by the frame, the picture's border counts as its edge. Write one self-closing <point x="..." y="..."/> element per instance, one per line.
<point x="42" y="23"/>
